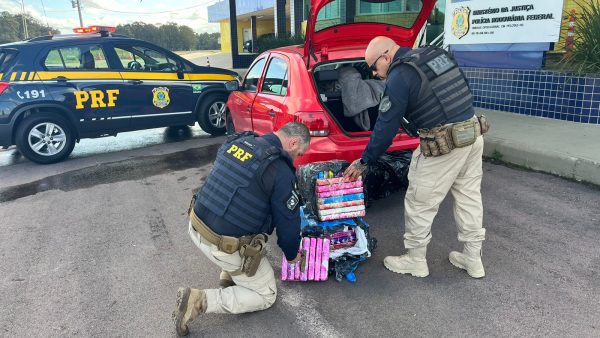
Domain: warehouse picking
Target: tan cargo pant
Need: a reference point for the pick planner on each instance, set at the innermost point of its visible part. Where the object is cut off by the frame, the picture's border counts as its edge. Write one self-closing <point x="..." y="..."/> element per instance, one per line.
<point x="249" y="294"/>
<point x="430" y="179"/>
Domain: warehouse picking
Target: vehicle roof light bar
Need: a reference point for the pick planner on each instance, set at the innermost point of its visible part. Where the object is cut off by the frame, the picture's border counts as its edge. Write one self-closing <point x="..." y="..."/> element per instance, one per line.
<point x="94" y="29"/>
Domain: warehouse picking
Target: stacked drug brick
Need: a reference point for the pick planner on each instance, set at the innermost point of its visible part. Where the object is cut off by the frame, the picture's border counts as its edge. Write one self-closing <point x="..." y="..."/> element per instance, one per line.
<point x="314" y="265"/>
<point x="342" y="239"/>
<point x="339" y="197"/>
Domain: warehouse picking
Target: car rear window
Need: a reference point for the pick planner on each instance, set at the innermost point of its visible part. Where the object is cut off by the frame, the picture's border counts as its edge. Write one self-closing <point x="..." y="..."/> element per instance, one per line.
<point x="6" y="56"/>
<point x="401" y="13"/>
<point x="76" y="57"/>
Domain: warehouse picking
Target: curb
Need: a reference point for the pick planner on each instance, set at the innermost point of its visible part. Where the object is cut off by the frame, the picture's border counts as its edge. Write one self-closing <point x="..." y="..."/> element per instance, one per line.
<point x="551" y="162"/>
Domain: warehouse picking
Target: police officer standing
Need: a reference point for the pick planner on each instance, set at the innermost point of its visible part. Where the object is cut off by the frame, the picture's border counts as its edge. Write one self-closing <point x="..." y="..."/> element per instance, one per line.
<point x="250" y="190"/>
<point x="427" y="94"/>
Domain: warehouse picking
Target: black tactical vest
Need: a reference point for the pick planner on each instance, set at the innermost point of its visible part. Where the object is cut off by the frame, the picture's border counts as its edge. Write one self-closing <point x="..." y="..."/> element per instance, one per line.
<point x="444" y="94"/>
<point x="234" y="190"/>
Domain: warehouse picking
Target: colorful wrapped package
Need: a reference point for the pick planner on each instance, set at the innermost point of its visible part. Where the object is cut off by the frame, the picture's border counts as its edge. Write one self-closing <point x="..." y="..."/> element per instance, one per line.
<point x="335" y="239"/>
<point x="307" y="176"/>
<point x="339" y="197"/>
<point x="315" y="266"/>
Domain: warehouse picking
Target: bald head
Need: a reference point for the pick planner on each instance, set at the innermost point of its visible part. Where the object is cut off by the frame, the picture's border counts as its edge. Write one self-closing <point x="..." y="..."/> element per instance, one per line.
<point x="381" y="50"/>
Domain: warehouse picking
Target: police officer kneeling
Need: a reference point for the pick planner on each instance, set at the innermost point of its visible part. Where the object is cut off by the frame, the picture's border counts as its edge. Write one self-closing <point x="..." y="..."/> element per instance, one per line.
<point x="427" y="94"/>
<point x="250" y="190"/>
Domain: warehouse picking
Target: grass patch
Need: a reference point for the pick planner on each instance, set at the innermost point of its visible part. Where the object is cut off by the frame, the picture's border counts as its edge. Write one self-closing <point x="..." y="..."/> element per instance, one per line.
<point x="585" y="57"/>
<point x="496" y="157"/>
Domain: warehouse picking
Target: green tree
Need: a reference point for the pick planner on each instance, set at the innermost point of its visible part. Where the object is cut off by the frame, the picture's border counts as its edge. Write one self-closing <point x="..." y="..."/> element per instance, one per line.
<point x="208" y="41"/>
<point x="189" y="39"/>
<point x="12" y="27"/>
<point x="140" y="30"/>
<point x="170" y="35"/>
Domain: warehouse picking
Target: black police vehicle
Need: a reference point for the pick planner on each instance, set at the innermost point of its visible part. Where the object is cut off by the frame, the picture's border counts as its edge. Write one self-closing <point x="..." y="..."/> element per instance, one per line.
<point x="56" y="90"/>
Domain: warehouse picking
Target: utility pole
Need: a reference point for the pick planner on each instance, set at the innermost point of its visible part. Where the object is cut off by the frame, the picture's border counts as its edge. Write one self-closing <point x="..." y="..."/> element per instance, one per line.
<point x="24" y="20"/>
<point x="76" y="3"/>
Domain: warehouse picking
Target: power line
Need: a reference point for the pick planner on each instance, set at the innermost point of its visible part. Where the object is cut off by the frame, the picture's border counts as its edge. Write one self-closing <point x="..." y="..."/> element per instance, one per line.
<point x="158" y="12"/>
<point x="60" y="10"/>
<point x="45" y="16"/>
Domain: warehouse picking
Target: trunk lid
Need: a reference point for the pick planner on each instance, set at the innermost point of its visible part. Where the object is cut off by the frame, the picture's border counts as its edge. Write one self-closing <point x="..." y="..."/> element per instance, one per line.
<point x="333" y="24"/>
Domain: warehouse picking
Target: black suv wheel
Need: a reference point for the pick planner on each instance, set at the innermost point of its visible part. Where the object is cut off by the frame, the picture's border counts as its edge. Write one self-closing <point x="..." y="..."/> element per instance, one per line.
<point x="45" y="138"/>
<point x="211" y="115"/>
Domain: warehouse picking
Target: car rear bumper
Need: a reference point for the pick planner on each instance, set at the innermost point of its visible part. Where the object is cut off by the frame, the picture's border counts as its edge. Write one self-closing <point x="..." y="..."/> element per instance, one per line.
<point x="325" y="149"/>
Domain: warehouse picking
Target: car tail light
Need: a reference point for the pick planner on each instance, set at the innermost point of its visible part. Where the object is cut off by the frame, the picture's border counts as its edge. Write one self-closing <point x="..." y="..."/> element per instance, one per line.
<point x="317" y="122"/>
<point x="3" y="86"/>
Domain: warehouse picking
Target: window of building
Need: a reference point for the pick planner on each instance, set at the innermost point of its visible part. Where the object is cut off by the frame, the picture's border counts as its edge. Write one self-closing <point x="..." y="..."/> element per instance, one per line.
<point x="253" y="75"/>
<point x="276" y="78"/>
<point x="88" y="57"/>
<point x="401" y="13"/>
<point x="394" y="6"/>
<point x="364" y="7"/>
<point x="330" y="11"/>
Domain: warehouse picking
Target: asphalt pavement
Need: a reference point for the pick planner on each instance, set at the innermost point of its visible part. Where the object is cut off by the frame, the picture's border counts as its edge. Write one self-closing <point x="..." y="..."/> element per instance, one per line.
<point x="93" y="257"/>
<point x="219" y="59"/>
<point x="17" y="170"/>
<point x="96" y="246"/>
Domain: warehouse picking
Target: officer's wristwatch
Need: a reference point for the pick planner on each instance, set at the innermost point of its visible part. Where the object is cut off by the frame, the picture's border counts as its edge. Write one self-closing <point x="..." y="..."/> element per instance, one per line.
<point x="362" y="162"/>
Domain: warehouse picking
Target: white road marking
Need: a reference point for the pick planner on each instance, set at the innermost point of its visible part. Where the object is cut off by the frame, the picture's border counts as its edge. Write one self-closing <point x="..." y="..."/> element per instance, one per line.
<point x="308" y="318"/>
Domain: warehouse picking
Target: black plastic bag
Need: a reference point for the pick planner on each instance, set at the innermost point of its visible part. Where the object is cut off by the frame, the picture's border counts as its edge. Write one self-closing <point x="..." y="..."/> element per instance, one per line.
<point x="306" y="175"/>
<point x="345" y="264"/>
<point x="388" y="175"/>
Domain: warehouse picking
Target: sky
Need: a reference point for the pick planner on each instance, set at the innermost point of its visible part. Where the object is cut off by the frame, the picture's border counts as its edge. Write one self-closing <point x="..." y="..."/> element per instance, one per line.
<point x="61" y="15"/>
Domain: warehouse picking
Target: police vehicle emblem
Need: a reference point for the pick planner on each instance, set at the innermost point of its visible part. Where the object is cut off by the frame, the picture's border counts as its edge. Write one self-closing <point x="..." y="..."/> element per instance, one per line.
<point x="385" y="104"/>
<point x="160" y="97"/>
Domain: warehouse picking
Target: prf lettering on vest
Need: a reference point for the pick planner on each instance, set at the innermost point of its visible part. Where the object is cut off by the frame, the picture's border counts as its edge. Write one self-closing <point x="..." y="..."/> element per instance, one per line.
<point x="96" y="98"/>
<point x="239" y="153"/>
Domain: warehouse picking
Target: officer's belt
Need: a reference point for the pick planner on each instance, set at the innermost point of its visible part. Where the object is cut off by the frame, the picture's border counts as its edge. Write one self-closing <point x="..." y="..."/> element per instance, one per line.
<point x="226" y="244"/>
<point x="441" y="140"/>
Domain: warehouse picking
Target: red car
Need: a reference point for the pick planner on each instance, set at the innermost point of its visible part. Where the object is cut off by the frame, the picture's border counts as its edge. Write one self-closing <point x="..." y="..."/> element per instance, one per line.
<point x="298" y="83"/>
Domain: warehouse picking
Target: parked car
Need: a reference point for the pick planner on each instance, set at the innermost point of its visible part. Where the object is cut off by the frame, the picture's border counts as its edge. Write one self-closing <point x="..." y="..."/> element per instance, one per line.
<point x="56" y="90"/>
<point x="296" y="83"/>
<point x="248" y="46"/>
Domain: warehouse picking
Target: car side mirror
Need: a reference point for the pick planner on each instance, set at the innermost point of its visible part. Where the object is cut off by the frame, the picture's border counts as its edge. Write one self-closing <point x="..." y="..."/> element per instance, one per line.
<point x="180" y="72"/>
<point x="232" y="85"/>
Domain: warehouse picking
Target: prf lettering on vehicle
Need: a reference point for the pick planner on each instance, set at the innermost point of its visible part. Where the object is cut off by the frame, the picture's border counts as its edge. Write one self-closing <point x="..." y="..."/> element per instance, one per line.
<point x="96" y="98"/>
<point x="239" y="153"/>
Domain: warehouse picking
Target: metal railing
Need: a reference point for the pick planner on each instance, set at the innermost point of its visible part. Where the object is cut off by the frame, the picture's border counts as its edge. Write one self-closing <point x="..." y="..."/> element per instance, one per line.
<point x="439" y="41"/>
